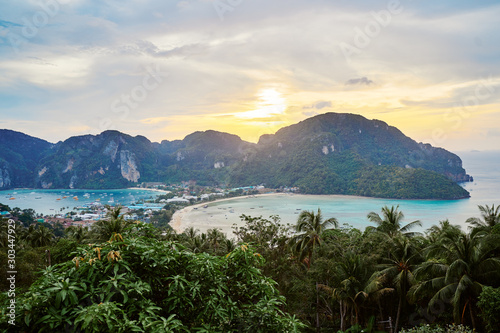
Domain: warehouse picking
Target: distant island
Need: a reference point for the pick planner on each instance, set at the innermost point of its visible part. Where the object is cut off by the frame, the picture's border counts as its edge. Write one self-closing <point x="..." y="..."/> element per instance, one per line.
<point x="332" y="153"/>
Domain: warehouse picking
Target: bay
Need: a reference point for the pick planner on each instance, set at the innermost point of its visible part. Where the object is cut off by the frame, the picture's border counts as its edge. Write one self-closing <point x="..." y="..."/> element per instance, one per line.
<point x="49" y="202"/>
<point x="351" y="210"/>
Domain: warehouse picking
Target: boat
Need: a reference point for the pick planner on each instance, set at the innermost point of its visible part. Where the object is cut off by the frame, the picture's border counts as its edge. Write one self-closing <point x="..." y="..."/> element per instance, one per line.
<point x="58" y="199"/>
<point x="64" y="197"/>
<point x="205" y="206"/>
<point x="75" y="197"/>
<point x="12" y="198"/>
<point x="38" y="197"/>
<point x="86" y="195"/>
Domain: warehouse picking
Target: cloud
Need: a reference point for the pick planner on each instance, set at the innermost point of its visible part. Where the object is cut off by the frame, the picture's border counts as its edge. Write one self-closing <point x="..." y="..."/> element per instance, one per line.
<point x="319" y="105"/>
<point x="92" y="53"/>
<point x="493" y="133"/>
<point x="359" y="81"/>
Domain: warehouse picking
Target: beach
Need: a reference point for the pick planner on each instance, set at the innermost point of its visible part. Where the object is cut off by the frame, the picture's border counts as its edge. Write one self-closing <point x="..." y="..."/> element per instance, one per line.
<point x="212" y="217"/>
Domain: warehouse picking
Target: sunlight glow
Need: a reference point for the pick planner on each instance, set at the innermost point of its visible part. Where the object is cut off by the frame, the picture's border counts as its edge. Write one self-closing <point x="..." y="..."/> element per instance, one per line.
<point x="270" y="103"/>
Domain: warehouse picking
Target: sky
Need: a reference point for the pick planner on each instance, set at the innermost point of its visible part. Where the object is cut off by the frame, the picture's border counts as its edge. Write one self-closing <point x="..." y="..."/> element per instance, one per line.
<point x="167" y="68"/>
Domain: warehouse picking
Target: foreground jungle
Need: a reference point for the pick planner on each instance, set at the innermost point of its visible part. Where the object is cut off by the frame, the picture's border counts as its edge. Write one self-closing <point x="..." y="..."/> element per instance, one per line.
<point x="124" y="276"/>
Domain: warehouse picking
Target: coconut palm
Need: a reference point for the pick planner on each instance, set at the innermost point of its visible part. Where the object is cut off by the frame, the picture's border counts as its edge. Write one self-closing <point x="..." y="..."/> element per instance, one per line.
<point x="391" y="222"/>
<point x="490" y="218"/>
<point x="457" y="271"/>
<point x="215" y="238"/>
<point x="436" y="232"/>
<point x="309" y="228"/>
<point x="41" y="236"/>
<point x="352" y="274"/>
<point x="79" y="233"/>
<point x="103" y="230"/>
<point x="396" y="271"/>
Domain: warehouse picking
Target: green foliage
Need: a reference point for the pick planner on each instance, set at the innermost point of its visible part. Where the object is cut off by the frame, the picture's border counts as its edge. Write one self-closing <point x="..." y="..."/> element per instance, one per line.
<point x="452" y="328"/>
<point x="142" y="285"/>
<point x="326" y="154"/>
<point x="489" y="303"/>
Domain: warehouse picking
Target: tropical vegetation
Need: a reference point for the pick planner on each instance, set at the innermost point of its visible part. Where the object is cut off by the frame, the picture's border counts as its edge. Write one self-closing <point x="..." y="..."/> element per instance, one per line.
<point x="315" y="275"/>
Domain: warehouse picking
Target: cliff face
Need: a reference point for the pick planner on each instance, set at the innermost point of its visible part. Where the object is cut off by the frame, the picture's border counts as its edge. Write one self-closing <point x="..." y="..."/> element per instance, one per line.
<point x="108" y="160"/>
<point x="349" y="154"/>
<point x="19" y="156"/>
<point x="5" y="181"/>
<point x="326" y="154"/>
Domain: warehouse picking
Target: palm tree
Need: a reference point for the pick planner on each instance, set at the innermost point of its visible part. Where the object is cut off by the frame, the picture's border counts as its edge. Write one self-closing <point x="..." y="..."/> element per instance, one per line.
<point x="391" y="222"/>
<point x="191" y="233"/>
<point x="4" y="233"/>
<point x="215" y="237"/>
<point x="41" y="236"/>
<point x="352" y="274"/>
<point x="436" y="232"/>
<point x="78" y="233"/>
<point x="309" y="228"/>
<point x="457" y="270"/>
<point x="103" y="230"/>
<point x="397" y="271"/>
<point x="490" y="215"/>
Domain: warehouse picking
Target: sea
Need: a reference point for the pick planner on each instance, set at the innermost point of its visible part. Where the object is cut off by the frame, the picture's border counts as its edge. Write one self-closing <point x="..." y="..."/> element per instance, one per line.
<point x="49" y="202"/>
<point x="484" y="166"/>
<point x="352" y="211"/>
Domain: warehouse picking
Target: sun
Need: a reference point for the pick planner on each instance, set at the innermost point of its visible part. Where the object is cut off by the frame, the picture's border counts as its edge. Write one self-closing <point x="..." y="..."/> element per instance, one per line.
<point x="269" y="103"/>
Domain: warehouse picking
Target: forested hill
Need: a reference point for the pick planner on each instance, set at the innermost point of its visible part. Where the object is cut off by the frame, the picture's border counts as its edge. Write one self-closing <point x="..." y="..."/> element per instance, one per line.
<point x="19" y="157"/>
<point x="327" y="154"/>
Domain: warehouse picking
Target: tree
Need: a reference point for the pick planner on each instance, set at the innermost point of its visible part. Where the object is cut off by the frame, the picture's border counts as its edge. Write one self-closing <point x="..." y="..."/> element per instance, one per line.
<point x="309" y="228"/>
<point x="352" y="274"/>
<point x="396" y="271"/>
<point x="490" y="218"/>
<point x="215" y="238"/>
<point x="78" y="233"/>
<point x="40" y="236"/>
<point x="436" y="232"/>
<point x="139" y="284"/>
<point x="456" y="271"/>
<point x="489" y="303"/>
<point x="103" y="230"/>
<point x="391" y="222"/>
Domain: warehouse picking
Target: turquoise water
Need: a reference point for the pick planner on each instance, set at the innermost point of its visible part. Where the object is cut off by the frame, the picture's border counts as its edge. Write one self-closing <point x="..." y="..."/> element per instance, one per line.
<point x="483" y="166"/>
<point x="485" y="190"/>
<point x="46" y="201"/>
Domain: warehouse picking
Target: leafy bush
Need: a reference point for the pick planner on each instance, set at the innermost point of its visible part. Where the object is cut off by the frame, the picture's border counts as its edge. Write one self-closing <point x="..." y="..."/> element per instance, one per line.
<point x="489" y="303"/>
<point x="139" y="284"/>
<point x="438" y="329"/>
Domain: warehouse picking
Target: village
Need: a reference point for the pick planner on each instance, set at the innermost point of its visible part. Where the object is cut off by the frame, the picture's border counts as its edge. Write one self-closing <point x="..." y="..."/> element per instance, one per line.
<point x="158" y="209"/>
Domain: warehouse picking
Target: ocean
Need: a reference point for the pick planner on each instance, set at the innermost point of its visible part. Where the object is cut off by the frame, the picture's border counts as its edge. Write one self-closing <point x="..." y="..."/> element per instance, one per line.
<point x="49" y="202"/>
<point x="349" y="210"/>
<point x="352" y="211"/>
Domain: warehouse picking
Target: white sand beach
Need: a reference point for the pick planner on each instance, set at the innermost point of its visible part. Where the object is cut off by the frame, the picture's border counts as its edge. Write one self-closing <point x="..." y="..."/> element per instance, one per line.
<point x="214" y="217"/>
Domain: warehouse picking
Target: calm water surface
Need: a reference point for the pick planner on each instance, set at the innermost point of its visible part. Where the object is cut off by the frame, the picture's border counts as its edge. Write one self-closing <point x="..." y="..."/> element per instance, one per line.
<point x="485" y="190"/>
<point x="52" y="201"/>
